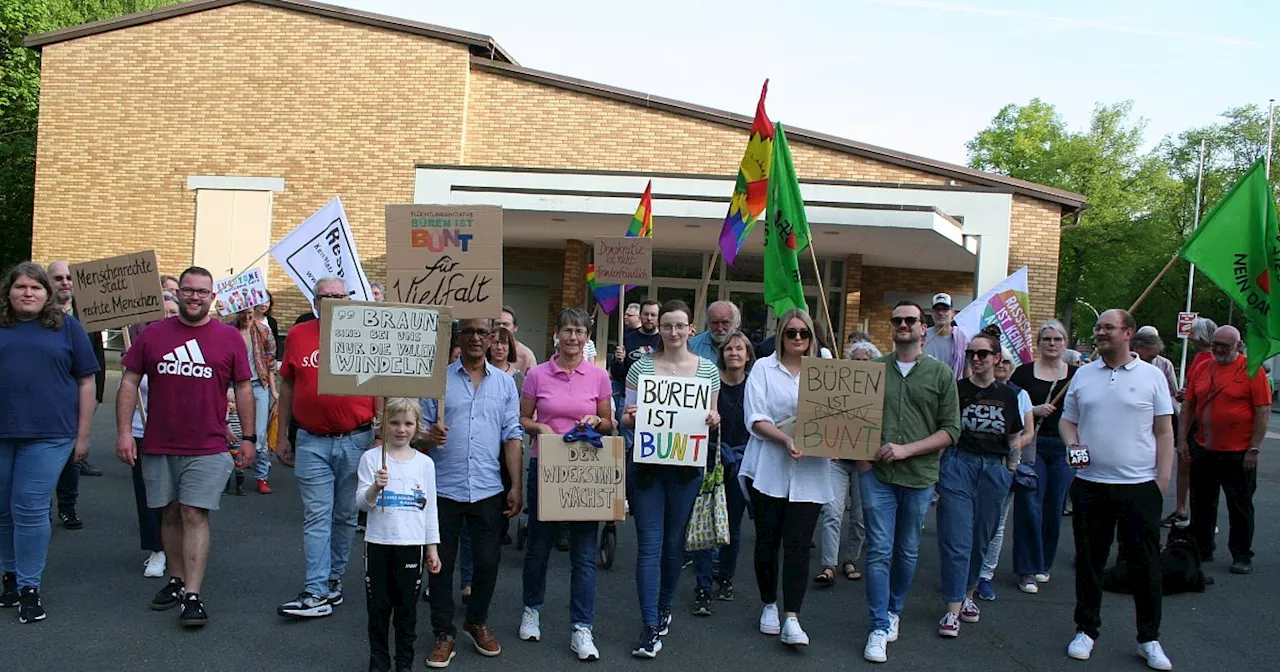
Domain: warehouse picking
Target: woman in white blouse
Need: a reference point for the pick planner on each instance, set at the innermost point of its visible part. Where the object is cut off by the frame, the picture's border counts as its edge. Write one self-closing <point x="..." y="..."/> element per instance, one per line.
<point x="787" y="489"/>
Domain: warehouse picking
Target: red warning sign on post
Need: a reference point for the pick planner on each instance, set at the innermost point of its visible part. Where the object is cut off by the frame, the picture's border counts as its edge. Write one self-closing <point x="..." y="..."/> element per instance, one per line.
<point x="1184" y="324"/>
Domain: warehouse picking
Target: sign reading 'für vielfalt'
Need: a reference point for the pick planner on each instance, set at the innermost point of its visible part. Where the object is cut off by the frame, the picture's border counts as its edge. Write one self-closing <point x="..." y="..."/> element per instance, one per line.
<point x="446" y="255"/>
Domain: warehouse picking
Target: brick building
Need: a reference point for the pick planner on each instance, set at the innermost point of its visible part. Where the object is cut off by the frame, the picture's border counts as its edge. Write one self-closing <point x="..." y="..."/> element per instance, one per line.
<point x="207" y="130"/>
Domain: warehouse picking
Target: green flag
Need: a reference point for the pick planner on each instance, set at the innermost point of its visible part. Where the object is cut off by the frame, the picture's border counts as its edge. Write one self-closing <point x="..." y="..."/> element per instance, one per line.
<point x="786" y="231"/>
<point x="1236" y="247"/>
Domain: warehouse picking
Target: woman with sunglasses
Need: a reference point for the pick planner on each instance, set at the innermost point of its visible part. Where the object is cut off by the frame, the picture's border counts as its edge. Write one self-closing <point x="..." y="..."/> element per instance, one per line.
<point x="974" y="477"/>
<point x="663" y="496"/>
<point x="787" y="489"/>
<point x="735" y="360"/>
<point x="1037" y="516"/>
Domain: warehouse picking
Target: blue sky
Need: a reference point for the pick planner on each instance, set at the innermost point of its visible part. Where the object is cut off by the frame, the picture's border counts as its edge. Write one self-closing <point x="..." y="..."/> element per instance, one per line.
<point x="921" y="76"/>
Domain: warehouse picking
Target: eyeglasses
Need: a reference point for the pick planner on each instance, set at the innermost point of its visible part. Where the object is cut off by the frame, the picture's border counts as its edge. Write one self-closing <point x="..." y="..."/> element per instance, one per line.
<point x="1224" y="346"/>
<point x="802" y="334"/>
<point x="721" y="323"/>
<point x="980" y="354"/>
<point x="574" y="331"/>
<point x="192" y="291"/>
<point x="1108" y="328"/>
<point x="60" y="278"/>
<point x="909" y="321"/>
<point x="331" y="296"/>
<point x="473" y="332"/>
<point x="1052" y="339"/>
<point x="672" y="328"/>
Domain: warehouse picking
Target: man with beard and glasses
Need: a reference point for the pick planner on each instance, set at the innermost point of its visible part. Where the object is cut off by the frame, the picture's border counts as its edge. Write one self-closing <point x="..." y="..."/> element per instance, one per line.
<point x="723" y="318"/>
<point x="1117" y="422"/>
<point x="189" y="361"/>
<point x="69" y="480"/>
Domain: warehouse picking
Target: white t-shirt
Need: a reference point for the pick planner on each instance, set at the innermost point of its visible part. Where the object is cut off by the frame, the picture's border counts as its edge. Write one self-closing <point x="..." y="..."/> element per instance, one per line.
<point x="905" y="367"/>
<point x="405" y="514"/>
<point x="1115" y="410"/>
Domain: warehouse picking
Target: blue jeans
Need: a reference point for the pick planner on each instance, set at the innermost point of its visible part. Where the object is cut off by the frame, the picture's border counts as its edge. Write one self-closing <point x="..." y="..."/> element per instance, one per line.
<point x="326" y="472"/>
<point x="584" y="542"/>
<point x="1037" y="516"/>
<point x="894" y="515"/>
<point x="723" y="563"/>
<point x="29" y="470"/>
<point x="971" y="493"/>
<point x="261" y="413"/>
<point x="662" y="513"/>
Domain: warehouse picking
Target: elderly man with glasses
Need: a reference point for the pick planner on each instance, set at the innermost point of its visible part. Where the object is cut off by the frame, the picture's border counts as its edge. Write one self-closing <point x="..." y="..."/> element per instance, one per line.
<point x="723" y="318"/>
<point x="333" y="432"/>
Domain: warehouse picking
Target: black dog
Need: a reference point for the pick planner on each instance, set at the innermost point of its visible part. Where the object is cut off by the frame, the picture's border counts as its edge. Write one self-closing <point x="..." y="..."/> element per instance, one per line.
<point x="1179" y="567"/>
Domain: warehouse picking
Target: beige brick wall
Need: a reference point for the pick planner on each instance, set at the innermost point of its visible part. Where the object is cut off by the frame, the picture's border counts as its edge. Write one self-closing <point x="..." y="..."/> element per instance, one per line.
<point x="333" y="107"/>
<point x="1033" y="242"/>
<point x="878" y="280"/>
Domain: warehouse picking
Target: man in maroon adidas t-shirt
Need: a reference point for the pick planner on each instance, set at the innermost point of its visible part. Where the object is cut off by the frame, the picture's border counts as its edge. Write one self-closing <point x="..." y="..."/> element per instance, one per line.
<point x="190" y="361"/>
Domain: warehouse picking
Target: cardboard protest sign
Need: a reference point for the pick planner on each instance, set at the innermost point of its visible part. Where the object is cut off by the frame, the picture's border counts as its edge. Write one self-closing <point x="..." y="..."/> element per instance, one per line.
<point x="841" y="408"/>
<point x="622" y="260"/>
<point x="671" y="421"/>
<point x="446" y="255"/>
<point x="241" y="292"/>
<point x="577" y="481"/>
<point x="118" y="291"/>
<point x="383" y="349"/>
<point x="323" y="246"/>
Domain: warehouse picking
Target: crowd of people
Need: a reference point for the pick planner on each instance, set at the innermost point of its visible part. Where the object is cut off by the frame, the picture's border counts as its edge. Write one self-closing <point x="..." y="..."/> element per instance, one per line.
<point x="965" y="427"/>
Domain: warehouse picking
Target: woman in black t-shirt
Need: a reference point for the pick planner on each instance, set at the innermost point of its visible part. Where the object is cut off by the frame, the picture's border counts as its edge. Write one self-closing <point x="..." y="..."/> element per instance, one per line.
<point x="735" y="360"/>
<point x="1037" y="516"/>
<point x="974" y="478"/>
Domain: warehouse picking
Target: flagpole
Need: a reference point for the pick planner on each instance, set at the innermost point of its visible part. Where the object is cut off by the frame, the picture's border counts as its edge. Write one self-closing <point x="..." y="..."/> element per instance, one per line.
<point x="822" y="299"/>
<point x="622" y="315"/>
<point x="701" y="299"/>
<point x="1271" y="133"/>
<point x="1191" y="274"/>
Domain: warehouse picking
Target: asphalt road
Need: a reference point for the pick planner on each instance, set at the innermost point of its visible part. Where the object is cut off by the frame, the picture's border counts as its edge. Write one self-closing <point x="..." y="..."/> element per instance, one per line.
<point x="99" y="620"/>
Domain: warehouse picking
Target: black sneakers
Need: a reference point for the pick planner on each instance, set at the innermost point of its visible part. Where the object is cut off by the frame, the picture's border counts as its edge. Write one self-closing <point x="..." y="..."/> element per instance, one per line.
<point x="724" y="590"/>
<point x="70" y="520"/>
<point x="193" y="613"/>
<point x="170" y="596"/>
<point x="335" y="592"/>
<point x="9" y="594"/>
<point x="702" y="602"/>
<point x="664" y="622"/>
<point x="649" y="644"/>
<point x="30" y="610"/>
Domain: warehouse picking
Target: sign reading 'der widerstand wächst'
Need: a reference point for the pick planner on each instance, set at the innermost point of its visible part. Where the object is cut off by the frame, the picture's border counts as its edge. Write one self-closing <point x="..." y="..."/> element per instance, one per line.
<point x="671" y="421"/>
<point x="446" y="255"/>
<point x="383" y="349"/>
<point x="841" y="408"/>
<point x="118" y="291"/>
<point x="577" y="481"/>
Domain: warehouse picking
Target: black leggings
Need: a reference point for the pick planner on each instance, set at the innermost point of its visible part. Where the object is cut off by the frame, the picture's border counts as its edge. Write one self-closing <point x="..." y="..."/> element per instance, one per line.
<point x="788" y="524"/>
<point x="393" y="581"/>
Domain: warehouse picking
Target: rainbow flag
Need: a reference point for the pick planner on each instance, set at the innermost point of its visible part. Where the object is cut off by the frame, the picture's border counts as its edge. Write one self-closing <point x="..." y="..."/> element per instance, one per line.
<point x="641" y="227"/>
<point x="752" y="189"/>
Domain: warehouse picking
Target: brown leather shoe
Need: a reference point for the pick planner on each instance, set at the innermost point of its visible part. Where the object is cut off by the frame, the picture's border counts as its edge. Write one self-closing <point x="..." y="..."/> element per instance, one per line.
<point x="441" y="653"/>
<point x="486" y="643"/>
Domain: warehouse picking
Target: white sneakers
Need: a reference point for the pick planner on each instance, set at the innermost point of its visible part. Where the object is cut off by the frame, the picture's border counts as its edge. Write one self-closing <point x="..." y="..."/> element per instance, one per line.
<point x="1081" y="646"/>
<point x="792" y="634"/>
<point x="892" y="634"/>
<point x="584" y="644"/>
<point x="877" y="650"/>
<point x="1042" y="577"/>
<point x="1153" y="653"/>
<point x="769" y="623"/>
<point x="530" y="625"/>
<point x="155" y="565"/>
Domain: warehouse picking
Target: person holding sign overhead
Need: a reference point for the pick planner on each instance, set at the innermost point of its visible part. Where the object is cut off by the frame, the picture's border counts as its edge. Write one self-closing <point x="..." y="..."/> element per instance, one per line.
<point x="787" y="489"/>
<point x="559" y="395"/>
<point x="974" y="478"/>
<point x="663" y="495"/>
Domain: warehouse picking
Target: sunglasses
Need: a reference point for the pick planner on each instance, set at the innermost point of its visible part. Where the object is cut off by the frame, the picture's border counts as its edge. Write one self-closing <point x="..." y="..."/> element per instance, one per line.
<point x="802" y="334"/>
<point x="980" y="354"/>
<point x="909" y="321"/>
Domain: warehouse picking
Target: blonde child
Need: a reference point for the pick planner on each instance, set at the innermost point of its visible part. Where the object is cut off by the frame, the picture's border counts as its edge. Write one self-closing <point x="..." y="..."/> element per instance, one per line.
<point x="401" y="535"/>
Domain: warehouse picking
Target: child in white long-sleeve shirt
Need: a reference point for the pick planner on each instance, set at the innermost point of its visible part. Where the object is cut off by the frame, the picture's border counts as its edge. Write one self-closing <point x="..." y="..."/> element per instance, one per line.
<point x="401" y="536"/>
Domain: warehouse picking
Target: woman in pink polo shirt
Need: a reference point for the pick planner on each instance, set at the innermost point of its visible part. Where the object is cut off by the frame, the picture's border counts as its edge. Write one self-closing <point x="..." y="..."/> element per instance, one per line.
<point x="558" y="395"/>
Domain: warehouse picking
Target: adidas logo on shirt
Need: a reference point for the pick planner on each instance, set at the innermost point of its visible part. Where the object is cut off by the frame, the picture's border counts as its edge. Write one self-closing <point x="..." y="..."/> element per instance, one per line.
<point x="185" y="360"/>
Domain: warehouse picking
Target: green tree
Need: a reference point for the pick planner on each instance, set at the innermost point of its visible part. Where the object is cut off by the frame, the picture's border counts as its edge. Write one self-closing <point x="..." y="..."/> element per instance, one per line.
<point x="20" y="102"/>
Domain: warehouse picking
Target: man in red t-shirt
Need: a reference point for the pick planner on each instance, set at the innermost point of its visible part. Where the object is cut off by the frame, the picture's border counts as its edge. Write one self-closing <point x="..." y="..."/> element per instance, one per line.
<point x="333" y="432"/>
<point x="1231" y="409"/>
<point x="190" y="361"/>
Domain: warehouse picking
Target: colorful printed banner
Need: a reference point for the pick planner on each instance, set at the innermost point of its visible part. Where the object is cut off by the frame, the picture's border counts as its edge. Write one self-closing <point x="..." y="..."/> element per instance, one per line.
<point x="1008" y="306"/>
<point x="240" y="292"/>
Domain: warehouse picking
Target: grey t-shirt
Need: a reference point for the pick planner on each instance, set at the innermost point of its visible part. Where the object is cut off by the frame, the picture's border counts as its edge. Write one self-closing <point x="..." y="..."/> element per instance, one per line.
<point x="938" y="347"/>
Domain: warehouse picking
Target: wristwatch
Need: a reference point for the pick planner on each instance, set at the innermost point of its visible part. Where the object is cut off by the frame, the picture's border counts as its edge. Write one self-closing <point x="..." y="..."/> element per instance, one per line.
<point x="251" y="438"/>
<point x="1255" y="450"/>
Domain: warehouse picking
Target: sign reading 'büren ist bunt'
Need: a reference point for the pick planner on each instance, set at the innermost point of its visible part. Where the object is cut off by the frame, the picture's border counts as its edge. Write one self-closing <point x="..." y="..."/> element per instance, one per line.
<point x="383" y="349"/>
<point x="118" y="291"/>
<point x="446" y="255"/>
<point x="841" y="408"/>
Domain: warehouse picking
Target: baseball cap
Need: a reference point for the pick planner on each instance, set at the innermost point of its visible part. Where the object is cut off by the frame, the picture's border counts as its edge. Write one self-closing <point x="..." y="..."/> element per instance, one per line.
<point x="941" y="297"/>
<point x="1149" y="330"/>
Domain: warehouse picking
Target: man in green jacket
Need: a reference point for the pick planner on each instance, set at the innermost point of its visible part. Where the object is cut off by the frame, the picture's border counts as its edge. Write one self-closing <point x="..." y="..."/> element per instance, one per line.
<point x="921" y="417"/>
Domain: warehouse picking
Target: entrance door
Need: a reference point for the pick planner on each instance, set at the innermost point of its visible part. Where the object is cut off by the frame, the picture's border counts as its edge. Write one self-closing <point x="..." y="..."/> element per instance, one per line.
<point x="531" y="305"/>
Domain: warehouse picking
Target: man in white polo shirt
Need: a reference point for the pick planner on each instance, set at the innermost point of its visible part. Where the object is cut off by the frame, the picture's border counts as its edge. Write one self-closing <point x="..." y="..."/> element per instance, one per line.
<point x="1117" y="424"/>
